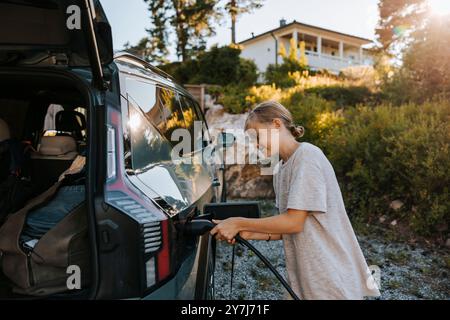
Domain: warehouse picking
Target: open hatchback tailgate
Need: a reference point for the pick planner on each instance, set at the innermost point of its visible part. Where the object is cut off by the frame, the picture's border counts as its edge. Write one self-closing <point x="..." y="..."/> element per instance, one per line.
<point x="74" y="33"/>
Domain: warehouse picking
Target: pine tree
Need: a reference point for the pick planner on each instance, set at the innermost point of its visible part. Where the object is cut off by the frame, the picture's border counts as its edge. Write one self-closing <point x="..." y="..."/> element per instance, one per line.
<point x="235" y="8"/>
<point x="191" y="21"/>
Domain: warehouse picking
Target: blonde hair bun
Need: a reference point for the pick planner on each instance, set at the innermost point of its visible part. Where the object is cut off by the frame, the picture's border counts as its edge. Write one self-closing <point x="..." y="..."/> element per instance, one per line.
<point x="297" y="131"/>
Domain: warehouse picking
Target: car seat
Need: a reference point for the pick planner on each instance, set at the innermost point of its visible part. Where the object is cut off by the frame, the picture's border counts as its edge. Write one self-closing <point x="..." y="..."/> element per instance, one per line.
<point x="55" y="155"/>
<point x="72" y="122"/>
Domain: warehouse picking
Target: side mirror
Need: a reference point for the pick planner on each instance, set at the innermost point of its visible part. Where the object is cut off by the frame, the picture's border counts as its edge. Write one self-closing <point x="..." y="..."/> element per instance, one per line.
<point x="222" y="211"/>
<point x="226" y="139"/>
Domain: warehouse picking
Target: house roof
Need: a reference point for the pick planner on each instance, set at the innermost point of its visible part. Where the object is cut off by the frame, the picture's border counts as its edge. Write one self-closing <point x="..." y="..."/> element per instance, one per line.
<point x="288" y="25"/>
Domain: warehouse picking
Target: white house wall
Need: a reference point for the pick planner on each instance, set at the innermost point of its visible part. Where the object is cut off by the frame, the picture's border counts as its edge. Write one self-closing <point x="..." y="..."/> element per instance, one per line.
<point x="262" y="52"/>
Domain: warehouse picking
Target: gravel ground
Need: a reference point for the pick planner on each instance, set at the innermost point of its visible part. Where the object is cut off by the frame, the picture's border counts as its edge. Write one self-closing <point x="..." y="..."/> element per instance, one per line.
<point x="407" y="271"/>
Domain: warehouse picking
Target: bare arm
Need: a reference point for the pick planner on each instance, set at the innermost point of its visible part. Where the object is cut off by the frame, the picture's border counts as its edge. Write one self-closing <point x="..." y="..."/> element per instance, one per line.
<point x="247" y="235"/>
<point x="289" y="222"/>
<point x="286" y="223"/>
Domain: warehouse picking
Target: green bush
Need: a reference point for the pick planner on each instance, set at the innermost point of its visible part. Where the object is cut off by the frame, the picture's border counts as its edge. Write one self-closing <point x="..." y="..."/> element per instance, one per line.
<point x="279" y="74"/>
<point x="343" y="96"/>
<point x="248" y="72"/>
<point x="219" y="66"/>
<point x="182" y="71"/>
<point x="309" y="112"/>
<point x="233" y="98"/>
<point x="395" y="153"/>
<point x="384" y="153"/>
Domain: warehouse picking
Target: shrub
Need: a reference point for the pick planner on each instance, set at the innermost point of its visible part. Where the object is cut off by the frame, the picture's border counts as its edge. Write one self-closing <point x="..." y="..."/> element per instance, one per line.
<point x="181" y="71"/>
<point x="389" y="153"/>
<point x="280" y="75"/>
<point x="219" y="66"/>
<point x="233" y="98"/>
<point x="263" y="93"/>
<point x="248" y="72"/>
<point x="307" y="111"/>
<point x="342" y="96"/>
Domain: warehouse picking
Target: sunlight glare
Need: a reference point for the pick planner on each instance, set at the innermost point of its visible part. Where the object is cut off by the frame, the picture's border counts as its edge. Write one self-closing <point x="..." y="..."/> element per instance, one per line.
<point x="440" y="7"/>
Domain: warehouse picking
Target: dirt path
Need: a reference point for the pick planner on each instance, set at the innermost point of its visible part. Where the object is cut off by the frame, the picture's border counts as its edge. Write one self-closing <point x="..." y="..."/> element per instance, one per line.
<point x="407" y="271"/>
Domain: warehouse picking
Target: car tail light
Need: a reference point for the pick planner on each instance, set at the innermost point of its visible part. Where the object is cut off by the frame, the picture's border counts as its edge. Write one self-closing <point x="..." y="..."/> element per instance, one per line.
<point x="152" y="223"/>
<point x="111" y="153"/>
<point x="164" y="254"/>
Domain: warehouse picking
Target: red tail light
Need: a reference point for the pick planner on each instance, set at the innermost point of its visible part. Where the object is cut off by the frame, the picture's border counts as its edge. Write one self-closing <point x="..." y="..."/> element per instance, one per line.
<point x="163" y="257"/>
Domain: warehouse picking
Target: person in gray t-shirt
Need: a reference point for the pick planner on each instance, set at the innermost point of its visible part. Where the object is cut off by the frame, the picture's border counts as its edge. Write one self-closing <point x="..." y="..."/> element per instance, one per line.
<point x="323" y="257"/>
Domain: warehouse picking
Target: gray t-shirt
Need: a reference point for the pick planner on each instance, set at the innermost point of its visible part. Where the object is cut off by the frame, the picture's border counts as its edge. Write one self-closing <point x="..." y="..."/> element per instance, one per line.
<point x="324" y="261"/>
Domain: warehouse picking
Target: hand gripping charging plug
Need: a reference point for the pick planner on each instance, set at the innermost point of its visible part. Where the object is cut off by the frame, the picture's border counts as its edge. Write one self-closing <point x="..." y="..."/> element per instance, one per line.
<point x="202" y="226"/>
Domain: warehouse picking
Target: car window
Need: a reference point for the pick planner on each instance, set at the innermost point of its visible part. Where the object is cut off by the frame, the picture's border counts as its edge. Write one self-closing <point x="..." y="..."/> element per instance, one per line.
<point x="145" y="94"/>
<point x="172" y="112"/>
<point x="191" y="116"/>
<point x="206" y="136"/>
<point x="146" y="143"/>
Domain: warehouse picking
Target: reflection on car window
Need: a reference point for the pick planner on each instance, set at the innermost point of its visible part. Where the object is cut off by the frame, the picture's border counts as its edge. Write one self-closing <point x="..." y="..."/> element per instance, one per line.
<point x="147" y="145"/>
<point x="190" y="117"/>
<point x="173" y="113"/>
<point x="145" y="94"/>
<point x="205" y="131"/>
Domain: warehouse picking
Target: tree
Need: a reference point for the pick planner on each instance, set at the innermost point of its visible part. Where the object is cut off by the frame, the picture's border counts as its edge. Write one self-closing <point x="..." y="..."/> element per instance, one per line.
<point x="148" y="50"/>
<point x="424" y="71"/>
<point x="398" y="19"/>
<point x="235" y="8"/>
<point x="190" y="21"/>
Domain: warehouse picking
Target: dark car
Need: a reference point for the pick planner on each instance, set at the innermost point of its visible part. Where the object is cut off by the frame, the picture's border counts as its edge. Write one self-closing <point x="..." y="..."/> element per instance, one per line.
<point x="63" y="93"/>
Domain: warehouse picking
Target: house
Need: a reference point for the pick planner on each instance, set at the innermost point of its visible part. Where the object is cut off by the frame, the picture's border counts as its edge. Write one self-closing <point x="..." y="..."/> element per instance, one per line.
<point x="324" y="49"/>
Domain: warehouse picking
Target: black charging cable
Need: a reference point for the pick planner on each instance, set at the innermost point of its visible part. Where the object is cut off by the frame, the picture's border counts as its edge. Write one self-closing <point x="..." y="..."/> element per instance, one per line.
<point x="280" y="278"/>
<point x="201" y="226"/>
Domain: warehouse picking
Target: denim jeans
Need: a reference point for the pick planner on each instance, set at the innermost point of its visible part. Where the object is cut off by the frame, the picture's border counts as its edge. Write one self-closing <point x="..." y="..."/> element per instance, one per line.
<point x="41" y="220"/>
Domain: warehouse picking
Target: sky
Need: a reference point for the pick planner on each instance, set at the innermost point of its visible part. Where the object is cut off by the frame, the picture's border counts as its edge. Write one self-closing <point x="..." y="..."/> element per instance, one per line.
<point x="130" y="18"/>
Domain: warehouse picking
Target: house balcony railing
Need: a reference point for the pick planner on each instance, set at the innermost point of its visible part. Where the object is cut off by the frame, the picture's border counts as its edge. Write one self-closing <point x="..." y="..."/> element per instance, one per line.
<point x="333" y="63"/>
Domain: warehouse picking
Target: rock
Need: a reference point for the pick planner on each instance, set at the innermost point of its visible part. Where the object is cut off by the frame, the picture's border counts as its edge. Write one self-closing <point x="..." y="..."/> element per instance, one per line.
<point x="244" y="181"/>
<point x="209" y="102"/>
<point x="394" y="223"/>
<point x="447" y="243"/>
<point x="382" y="219"/>
<point x="396" y="205"/>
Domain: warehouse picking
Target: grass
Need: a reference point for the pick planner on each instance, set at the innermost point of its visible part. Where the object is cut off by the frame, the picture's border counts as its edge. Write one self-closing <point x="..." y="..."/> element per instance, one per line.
<point x="401" y="258"/>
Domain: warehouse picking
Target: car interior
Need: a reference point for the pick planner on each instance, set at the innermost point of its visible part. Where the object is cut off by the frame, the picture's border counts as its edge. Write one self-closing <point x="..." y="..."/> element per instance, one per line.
<point x="43" y="135"/>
